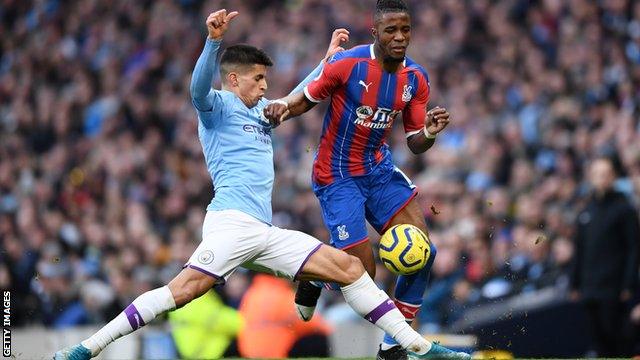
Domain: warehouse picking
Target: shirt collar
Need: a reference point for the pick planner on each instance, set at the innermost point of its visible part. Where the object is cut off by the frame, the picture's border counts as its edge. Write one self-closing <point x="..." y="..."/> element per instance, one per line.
<point x="373" y="56"/>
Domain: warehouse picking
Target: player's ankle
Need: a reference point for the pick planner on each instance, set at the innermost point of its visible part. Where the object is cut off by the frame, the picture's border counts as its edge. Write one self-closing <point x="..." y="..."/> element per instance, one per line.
<point x="307" y="294"/>
<point x="92" y="346"/>
<point x="420" y="347"/>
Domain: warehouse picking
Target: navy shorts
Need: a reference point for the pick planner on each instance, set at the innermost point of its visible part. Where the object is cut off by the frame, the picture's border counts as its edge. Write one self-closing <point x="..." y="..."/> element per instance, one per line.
<point x="376" y="197"/>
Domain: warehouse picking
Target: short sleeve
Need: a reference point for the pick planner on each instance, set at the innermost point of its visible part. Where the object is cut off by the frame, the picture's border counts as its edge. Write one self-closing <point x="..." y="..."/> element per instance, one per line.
<point x="414" y="113"/>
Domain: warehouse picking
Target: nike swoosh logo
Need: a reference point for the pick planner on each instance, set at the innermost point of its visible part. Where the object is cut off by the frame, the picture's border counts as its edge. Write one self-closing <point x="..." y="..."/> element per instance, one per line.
<point x="135" y="316"/>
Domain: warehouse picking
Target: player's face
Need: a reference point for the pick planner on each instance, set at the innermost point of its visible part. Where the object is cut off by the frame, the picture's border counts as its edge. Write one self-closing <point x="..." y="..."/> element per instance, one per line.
<point x="252" y="84"/>
<point x="393" y="33"/>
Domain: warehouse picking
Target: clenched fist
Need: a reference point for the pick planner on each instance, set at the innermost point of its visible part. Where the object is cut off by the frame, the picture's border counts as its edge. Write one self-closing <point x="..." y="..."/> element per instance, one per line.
<point x="218" y="23"/>
<point x="437" y="119"/>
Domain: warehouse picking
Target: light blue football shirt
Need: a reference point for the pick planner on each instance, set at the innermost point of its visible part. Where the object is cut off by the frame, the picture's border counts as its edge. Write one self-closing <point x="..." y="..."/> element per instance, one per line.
<point x="239" y="156"/>
<point x="236" y="142"/>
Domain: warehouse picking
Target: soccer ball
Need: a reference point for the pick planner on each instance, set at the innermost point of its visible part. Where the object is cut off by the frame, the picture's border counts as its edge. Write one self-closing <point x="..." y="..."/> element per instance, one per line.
<point x="404" y="249"/>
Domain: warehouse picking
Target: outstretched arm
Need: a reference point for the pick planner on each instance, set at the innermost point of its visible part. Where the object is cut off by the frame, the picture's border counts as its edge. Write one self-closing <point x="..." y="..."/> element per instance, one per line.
<point x="286" y="108"/>
<point x="338" y="37"/>
<point x="202" y="94"/>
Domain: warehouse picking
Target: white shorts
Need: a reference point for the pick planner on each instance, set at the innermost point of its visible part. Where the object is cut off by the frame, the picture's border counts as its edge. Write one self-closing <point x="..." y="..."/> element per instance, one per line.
<point x="231" y="238"/>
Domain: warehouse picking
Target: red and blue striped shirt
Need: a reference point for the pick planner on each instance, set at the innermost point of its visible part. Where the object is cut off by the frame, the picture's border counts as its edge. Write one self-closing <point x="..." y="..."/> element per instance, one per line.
<point x="365" y="101"/>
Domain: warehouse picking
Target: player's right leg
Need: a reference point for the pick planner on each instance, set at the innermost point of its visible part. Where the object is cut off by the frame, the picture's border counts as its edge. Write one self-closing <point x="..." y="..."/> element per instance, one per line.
<point x="211" y="263"/>
<point x="361" y="293"/>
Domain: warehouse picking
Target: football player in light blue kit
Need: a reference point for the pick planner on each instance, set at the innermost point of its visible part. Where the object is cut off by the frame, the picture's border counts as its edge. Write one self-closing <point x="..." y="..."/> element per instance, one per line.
<point x="237" y="229"/>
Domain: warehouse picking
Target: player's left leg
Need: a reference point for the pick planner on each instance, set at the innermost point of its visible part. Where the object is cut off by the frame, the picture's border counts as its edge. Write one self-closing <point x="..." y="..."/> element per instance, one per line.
<point x="363" y="295"/>
<point x="243" y="236"/>
<point x="189" y="284"/>
<point x="409" y="290"/>
<point x="391" y="202"/>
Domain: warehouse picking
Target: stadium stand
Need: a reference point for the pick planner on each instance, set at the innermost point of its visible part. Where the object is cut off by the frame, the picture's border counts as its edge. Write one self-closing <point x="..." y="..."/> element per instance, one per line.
<point x="102" y="181"/>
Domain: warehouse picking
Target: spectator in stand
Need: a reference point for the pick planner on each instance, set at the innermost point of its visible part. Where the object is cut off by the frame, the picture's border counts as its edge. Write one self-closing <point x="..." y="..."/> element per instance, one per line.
<point x="205" y="328"/>
<point x="272" y="328"/>
<point x="635" y="321"/>
<point x="605" y="273"/>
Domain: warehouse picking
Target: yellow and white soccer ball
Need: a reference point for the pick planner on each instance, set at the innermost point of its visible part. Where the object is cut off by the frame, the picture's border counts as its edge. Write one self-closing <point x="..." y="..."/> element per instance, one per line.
<point x="404" y="249"/>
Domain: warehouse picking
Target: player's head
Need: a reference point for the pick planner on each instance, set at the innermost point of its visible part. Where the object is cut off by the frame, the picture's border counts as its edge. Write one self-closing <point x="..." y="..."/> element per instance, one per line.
<point x="243" y="69"/>
<point x="392" y="28"/>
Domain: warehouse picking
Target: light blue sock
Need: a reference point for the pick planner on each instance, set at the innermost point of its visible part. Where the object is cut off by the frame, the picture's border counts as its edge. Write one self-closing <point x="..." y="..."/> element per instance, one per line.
<point x="409" y="294"/>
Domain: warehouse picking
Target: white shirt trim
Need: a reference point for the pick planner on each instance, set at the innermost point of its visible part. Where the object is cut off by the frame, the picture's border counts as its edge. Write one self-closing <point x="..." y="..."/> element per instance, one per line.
<point x="412" y="133"/>
<point x="311" y="98"/>
<point x="373" y="56"/>
<point x="427" y="134"/>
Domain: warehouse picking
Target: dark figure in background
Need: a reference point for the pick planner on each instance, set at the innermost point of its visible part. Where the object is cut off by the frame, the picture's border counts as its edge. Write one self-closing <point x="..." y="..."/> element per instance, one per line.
<point x="605" y="272"/>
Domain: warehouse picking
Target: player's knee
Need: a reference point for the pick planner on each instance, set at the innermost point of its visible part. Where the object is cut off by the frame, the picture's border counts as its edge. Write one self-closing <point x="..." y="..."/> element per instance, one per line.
<point x="370" y="268"/>
<point x="182" y="295"/>
<point x="351" y="269"/>
<point x="191" y="291"/>
<point x="186" y="291"/>
<point x="356" y="269"/>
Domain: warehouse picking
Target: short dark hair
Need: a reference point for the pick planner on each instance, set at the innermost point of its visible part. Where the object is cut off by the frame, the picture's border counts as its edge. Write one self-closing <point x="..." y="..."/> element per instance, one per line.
<point x="390" y="6"/>
<point x="242" y="54"/>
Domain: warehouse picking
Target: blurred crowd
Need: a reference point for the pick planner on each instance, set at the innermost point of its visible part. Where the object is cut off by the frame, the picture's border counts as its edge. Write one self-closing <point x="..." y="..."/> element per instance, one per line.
<point x="103" y="185"/>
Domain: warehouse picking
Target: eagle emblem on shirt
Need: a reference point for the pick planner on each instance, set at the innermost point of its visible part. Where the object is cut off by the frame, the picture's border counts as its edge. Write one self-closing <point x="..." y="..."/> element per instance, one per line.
<point x="406" y="93"/>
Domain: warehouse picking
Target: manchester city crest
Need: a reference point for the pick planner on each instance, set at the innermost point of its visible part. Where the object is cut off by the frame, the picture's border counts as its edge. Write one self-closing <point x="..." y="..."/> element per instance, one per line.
<point x="205" y="257"/>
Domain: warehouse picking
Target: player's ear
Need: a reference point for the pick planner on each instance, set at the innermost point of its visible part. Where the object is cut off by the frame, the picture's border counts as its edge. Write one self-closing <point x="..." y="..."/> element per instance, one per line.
<point x="232" y="79"/>
<point x="374" y="32"/>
